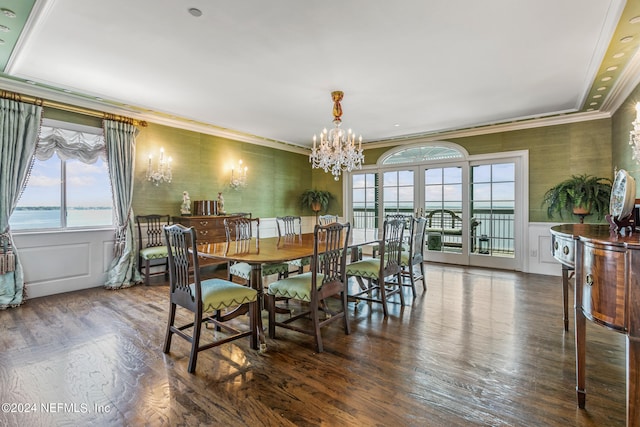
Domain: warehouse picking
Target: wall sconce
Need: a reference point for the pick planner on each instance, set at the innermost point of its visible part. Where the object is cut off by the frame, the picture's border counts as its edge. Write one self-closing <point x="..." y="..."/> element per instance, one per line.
<point x="239" y="177"/>
<point x="163" y="173"/>
<point x="634" y="139"/>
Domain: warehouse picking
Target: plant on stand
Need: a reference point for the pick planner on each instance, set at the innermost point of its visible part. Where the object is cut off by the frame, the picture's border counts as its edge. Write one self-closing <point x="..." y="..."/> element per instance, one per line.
<point x="580" y="195"/>
<point x="316" y="200"/>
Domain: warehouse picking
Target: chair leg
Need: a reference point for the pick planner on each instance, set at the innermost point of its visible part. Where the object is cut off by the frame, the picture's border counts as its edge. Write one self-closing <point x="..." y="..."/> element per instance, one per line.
<point x="424" y="278"/>
<point x="195" y="343"/>
<point x="271" y="307"/>
<point x="253" y="324"/>
<point x="345" y="312"/>
<point x="399" y="281"/>
<point x="146" y="272"/>
<point x="315" y="319"/>
<point x="383" y="296"/>
<point x="412" y="279"/>
<point x="169" y="334"/>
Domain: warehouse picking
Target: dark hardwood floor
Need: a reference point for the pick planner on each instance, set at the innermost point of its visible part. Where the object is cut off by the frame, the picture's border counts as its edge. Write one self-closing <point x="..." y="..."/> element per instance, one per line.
<point x="480" y="347"/>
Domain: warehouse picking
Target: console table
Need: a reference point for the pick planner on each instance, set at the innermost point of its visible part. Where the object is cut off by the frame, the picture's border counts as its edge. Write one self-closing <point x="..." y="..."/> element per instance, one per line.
<point x="607" y="292"/>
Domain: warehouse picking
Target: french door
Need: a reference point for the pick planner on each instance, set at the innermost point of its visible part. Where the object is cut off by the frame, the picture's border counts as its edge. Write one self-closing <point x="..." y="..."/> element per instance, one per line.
<point x="474" y="209"/>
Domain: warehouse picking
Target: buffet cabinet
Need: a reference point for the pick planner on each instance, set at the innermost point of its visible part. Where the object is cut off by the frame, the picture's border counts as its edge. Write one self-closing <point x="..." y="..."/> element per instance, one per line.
<point x="607" y="293"/>
<point x="209" y="229"/>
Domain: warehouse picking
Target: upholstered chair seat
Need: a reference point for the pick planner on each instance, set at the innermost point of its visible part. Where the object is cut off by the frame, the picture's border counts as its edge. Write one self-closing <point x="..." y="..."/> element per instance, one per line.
<point x="315" y="288"/>
<point x="218" y="294"/>
<point x="214" y="301"/>
<point x="383" y="275"/>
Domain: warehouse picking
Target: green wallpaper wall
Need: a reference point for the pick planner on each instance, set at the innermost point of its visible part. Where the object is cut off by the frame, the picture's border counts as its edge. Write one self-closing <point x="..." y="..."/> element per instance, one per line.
<point x="277" y="178"/>
<point x="621" y="126"/>
<point x="555" y="153"/>
<point x="201" y="166"/>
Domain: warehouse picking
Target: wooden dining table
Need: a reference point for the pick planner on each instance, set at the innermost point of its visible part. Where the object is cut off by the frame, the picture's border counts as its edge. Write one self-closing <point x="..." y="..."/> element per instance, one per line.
<point x="265" y="250"/>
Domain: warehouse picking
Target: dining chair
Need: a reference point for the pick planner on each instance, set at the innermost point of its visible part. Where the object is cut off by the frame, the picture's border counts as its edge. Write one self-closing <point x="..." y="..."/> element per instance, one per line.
<point x="152" y="251"/>
<point x="326" y="278"/>
<point x="290" y="227"/>
<point x="407" y="223"/>
<point x="414" y="255"/>
<point x="327" y="219"/>
<point x="221" y="300"/>
<point x="240" y="230"/>
<point x="376" y="271"/>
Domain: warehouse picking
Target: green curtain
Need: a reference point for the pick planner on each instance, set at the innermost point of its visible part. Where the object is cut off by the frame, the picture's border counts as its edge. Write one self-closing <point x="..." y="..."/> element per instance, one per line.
<point x="19" y="127"/>
<point x="120" y="139"/>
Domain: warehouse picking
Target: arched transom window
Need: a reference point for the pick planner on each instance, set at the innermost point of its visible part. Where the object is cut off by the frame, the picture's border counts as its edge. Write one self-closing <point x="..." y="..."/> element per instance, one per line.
<point x="424" y="153"/>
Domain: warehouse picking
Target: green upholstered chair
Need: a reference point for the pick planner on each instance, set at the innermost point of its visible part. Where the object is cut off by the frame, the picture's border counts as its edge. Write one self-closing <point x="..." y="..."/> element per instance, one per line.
<point x="326" y="278"/>
<point x="220" y="299"/>
<point x="152" y="250"/>
<point x="407" y="224"/>
<point x="242" y="229"/>
<point x="290" y="227"/>
<point x="413" y="256"/>
<point x="382" y="274"/>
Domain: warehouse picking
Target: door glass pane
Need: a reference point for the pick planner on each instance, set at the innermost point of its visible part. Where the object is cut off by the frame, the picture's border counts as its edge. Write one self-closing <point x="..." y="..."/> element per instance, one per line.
<point x="493" y="209"/>
<point x="365" y="206"/>
<point x="398" y="192"/>
<point x="443" y="209"/>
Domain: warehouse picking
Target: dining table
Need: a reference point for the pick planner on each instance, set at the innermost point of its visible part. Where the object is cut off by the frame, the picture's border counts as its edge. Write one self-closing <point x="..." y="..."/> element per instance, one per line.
<point x="266" y="250"/>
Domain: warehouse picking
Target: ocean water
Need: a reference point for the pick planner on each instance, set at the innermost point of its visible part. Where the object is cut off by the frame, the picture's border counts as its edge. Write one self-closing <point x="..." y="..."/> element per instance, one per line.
<point x="35" y="219"/>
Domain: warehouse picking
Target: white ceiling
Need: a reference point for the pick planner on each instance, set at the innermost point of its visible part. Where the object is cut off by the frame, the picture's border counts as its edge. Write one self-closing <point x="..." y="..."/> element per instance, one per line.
<point x="266" y="68"/>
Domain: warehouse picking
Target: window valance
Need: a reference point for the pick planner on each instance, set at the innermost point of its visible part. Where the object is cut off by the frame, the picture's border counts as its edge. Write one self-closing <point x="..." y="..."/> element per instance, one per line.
<point x="69" y="144"/>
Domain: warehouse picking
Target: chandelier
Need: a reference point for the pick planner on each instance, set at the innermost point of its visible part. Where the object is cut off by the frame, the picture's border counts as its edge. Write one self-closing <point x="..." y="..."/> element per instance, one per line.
<point x="634" y="139"/>
<point x="337" y="149"/>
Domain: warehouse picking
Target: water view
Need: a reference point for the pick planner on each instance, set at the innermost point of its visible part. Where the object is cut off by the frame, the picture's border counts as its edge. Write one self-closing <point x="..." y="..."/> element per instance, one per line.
<point x="43" y="217"/>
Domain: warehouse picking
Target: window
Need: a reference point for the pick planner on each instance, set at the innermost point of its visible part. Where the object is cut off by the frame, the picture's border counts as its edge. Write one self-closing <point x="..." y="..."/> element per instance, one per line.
<point x="69" y="183"/>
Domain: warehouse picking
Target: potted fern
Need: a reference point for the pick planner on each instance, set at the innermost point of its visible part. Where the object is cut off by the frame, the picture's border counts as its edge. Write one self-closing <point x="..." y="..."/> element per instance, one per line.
<point x="580" y="195"/>
<point x="316" y="200"/>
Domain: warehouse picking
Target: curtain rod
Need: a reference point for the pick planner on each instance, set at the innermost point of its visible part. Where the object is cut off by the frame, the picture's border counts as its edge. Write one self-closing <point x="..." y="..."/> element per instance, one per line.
<point x="71" y="108"/>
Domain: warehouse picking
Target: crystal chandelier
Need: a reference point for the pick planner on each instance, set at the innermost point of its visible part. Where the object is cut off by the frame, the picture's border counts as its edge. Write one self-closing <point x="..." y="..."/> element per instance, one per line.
<point x="634" y="139"/>
<point x="337" y="149"/>
<point x="163" y="173"/>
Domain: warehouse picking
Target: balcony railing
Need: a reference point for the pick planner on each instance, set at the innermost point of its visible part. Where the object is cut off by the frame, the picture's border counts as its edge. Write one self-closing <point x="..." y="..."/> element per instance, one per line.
<point x="492" y="233"/>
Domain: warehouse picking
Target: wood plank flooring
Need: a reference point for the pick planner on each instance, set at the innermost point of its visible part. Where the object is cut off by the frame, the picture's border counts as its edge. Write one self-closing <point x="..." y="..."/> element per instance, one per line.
<point x="479" y="348"/>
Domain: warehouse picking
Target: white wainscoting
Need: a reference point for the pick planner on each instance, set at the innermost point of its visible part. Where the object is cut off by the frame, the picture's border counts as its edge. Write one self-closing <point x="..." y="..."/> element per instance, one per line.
<point x="56" y="262"/>
<point x="540" y="260"/>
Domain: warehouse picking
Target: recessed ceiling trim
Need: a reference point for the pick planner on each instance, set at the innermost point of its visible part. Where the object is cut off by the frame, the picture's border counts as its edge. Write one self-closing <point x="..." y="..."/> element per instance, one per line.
<point x="39" y="11"/>
<point x="615" y="11"/>
<point x="629" y="79"/>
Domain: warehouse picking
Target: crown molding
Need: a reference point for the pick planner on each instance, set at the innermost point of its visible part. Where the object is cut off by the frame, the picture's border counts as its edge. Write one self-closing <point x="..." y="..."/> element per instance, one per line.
<point x="491" y="129"/>
<point x="103" y="106"/>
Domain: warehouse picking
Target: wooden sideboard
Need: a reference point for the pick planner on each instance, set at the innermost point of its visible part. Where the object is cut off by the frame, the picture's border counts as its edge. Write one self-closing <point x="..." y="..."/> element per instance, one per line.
<point x="209" y="229"/>
<point x="607" y="292"/>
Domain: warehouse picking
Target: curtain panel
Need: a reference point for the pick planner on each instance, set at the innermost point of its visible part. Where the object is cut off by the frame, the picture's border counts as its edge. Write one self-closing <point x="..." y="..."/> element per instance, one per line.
<point x="19" y="127"/>
<point x="120" y="141"/>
